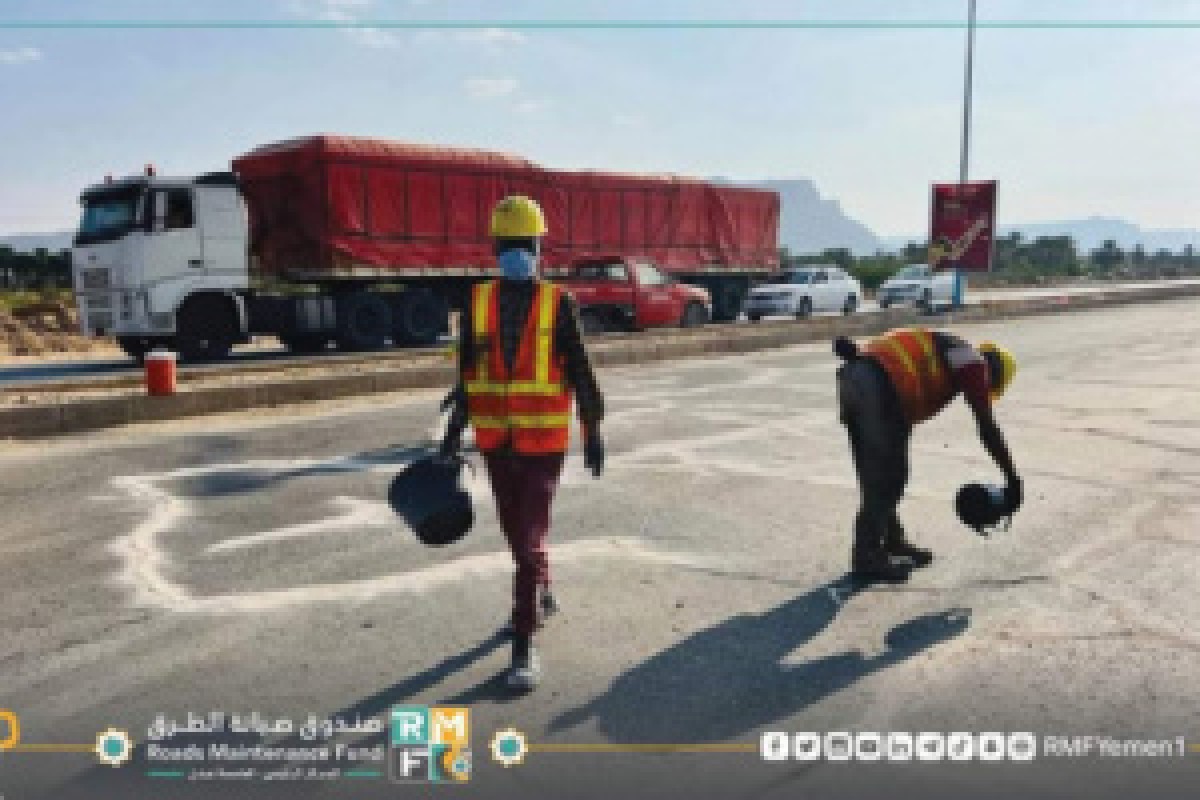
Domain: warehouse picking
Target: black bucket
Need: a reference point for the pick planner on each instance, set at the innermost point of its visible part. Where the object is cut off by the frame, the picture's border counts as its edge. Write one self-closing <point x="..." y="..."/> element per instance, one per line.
<point x="430" y="496"/>
<point x="981" y="506"/>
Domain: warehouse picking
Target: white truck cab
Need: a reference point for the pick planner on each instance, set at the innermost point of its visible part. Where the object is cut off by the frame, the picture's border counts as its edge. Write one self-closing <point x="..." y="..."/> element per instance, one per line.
<point x="150" y="250"/>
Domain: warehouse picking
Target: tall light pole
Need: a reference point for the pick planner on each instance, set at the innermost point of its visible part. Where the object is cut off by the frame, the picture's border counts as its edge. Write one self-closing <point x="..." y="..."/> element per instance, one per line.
<point x="964" y="162"/>
<point x="967" y="91"/>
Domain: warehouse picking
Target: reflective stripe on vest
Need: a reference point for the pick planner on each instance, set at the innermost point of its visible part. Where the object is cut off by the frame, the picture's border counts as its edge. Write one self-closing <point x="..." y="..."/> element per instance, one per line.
<point x="529" y="408"/>
<point x="910" y="358"/>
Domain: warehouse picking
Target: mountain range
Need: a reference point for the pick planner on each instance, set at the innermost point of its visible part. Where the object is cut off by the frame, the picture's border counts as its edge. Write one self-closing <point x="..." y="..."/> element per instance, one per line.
<point x="810" y="223"/>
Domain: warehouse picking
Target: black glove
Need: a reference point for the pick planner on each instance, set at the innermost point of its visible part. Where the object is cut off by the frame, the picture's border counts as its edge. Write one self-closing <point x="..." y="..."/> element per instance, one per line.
<point x="451" y="443"/>
<point x="1014" y="495"/>
<point x="593" y="452"/>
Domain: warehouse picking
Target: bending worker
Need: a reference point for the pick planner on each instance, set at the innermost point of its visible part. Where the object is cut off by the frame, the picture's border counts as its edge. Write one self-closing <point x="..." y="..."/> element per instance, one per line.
<point x="897" y="380"/>
<point x="521" y="356"/>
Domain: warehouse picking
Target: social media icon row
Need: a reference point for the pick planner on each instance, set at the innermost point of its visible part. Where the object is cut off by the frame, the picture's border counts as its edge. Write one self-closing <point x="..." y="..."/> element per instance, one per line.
<point x="776" y="746"/>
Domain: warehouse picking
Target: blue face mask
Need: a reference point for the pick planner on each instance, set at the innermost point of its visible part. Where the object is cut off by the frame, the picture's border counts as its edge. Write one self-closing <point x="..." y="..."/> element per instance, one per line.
<point x="517" y="264"/>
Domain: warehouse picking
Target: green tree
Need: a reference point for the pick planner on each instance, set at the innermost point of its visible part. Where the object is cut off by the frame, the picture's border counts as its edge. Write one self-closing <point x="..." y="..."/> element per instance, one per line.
<point x="838" y="255"/>
<point x="914" y="253"/>
<point x="1108" y="256"/>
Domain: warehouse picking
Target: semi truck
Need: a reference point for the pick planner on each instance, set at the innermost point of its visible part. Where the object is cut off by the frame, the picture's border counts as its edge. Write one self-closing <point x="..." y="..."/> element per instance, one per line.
<point x="366" y="243"/>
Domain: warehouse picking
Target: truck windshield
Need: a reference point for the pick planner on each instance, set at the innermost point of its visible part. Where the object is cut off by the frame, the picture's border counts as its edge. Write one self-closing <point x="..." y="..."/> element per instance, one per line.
<point x="108" y="214"/>
<point x="802" y="277"/>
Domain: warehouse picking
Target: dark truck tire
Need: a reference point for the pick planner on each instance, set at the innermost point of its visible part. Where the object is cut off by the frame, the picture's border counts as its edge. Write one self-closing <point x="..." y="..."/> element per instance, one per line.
<point x="305" y="343"/>
<point x="135" y="347"/>
<point x="206" y="328"/>
<point x="728" y="297"/>
<point x="364" y="321"/>
<point x="693" y="316"/>
<point x="420" y="318"/>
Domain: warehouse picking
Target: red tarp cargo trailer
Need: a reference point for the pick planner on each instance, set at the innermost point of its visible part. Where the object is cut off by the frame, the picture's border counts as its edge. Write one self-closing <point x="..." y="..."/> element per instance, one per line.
<point x="337" y="205"/>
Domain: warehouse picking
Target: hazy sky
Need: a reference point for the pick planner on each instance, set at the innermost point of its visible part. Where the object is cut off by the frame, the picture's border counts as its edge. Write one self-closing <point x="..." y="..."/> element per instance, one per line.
<point x="1071" y="122"/>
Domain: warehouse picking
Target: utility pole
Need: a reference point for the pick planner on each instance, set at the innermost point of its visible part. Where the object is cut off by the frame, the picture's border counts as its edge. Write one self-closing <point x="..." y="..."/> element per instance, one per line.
<point x="967" y="92"/>
<point x="964" y="162"/>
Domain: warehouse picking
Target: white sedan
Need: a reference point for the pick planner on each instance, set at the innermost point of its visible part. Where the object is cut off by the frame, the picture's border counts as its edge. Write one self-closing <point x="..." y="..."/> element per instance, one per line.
<point x="917" y="285"/>
<point x="801" y="292"/>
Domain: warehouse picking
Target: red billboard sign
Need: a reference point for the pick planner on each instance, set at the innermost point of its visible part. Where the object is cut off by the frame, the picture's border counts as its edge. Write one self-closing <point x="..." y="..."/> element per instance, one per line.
<point x="962" y="226"/>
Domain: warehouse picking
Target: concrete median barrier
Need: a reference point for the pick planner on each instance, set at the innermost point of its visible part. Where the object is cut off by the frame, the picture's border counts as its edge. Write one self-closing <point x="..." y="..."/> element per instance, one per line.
<point x="419" y="371"/>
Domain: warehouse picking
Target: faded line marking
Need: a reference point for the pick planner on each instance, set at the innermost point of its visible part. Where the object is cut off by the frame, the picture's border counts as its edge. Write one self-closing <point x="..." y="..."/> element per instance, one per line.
<point x="146" y="566"/>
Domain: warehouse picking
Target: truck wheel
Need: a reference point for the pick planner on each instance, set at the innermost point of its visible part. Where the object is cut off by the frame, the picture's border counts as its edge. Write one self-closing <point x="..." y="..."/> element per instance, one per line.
<point x="592" y="322"/>
<point x="135" y="347"/>
<point x="421" y="317"/>
<point x="851" y="305"/>
<point x="305" y="343"/>
<point x="926" y="303"/>
<point x="364" y="321"/>
<point x="804" y="309"/>
<point x="694" y="316"/>
<point x="206" y="328"/>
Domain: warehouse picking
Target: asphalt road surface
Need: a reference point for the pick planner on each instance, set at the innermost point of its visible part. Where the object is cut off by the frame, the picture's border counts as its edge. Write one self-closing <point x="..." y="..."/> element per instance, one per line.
<point x="249" y="563"/>
<point x="34" y="371"/>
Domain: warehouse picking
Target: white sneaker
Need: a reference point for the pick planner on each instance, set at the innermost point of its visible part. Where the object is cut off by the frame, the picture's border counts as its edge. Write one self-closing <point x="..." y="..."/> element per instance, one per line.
<point x="525" y="673"/>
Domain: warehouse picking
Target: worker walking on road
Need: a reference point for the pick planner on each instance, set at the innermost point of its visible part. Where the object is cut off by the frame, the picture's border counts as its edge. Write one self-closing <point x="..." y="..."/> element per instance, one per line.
<point x="521" y="356"/>
<point x="897" y="380"/>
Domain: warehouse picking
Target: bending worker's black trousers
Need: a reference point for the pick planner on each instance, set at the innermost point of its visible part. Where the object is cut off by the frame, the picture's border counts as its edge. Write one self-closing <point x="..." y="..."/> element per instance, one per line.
<point x="879" y="436"/>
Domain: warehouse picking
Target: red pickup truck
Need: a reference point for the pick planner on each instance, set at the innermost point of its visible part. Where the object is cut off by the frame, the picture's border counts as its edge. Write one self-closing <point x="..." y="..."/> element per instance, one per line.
<point x="630" y="294"/>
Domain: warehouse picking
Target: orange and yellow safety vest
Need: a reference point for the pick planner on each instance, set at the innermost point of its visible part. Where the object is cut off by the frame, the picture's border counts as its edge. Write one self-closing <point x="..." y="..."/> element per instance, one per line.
<point x="529" y="408"/>
<point x="911" y="360"/>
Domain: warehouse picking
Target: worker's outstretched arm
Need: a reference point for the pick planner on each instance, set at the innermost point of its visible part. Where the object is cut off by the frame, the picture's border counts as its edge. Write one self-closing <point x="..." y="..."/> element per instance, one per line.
<point x="997" y="448"/>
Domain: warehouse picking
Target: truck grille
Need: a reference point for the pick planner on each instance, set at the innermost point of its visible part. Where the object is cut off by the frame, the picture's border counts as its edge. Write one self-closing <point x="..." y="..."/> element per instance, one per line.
<point x="102" y="321"/>
<point x="98" y="301"/>
<point x="95" y="278"/>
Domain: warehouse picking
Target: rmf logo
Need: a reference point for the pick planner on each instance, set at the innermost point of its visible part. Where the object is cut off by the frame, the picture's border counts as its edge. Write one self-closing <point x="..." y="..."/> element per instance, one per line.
<point x="10" y="729"/>
<point x="450" y="726"/>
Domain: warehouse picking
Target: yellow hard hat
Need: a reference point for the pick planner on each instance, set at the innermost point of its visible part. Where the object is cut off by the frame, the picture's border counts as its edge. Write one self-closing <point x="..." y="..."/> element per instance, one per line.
<point x="517" y="217"/>
<point x="1008" y="367"/>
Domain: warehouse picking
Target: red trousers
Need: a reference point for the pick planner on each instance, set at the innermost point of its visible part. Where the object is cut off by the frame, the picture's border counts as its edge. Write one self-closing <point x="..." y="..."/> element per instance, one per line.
<point x="523" y="486"/>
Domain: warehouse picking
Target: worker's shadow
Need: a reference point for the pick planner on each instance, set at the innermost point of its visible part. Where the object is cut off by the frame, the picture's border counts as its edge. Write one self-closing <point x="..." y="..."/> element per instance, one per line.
<point x="728" y="680"/>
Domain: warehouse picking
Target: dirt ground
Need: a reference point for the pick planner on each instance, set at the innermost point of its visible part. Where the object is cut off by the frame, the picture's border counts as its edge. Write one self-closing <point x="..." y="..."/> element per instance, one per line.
<point x="45" y="330"/>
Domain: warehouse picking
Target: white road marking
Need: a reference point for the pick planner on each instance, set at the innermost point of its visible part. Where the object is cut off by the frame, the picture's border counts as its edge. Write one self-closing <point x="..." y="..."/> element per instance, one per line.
<point x="146" y="566"/>
<point x="355" y="513"/>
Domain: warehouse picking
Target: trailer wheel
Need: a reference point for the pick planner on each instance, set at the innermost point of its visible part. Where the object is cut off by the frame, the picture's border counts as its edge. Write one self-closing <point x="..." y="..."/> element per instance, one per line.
<point x="305" y="343"/>
<point x="728" y="297"/>
<point x="205" y="328"/>
<point x="421" y="317"/>
<point x="364" y="321"/>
